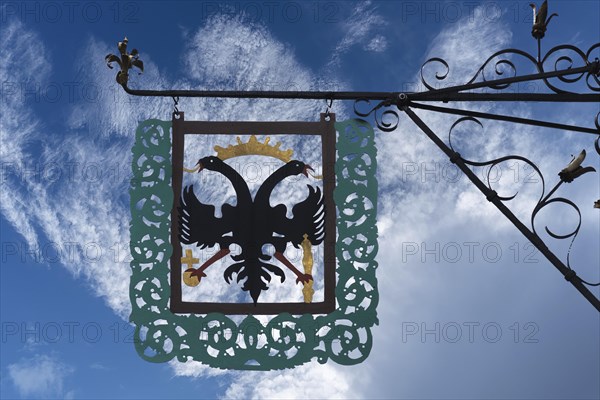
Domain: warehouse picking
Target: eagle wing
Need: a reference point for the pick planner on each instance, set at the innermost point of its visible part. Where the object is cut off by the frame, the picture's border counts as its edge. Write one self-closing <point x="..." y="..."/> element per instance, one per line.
<point x="308" y="219"/>
<point x="197" y="221"/>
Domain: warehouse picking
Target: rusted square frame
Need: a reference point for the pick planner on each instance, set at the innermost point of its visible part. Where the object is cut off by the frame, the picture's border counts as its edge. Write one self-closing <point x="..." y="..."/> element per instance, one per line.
<point x="325" y="128"/>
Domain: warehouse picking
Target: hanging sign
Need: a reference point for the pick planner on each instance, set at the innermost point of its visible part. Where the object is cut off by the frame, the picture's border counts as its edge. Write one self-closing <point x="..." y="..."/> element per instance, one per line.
<point x="253" y="243"/>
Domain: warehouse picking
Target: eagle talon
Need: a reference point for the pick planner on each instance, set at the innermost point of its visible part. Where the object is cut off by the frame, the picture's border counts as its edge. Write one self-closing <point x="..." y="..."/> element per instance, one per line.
<point x="196" y="272"/>
<point x="304" y="278"/>
<point x="192" y="277"/>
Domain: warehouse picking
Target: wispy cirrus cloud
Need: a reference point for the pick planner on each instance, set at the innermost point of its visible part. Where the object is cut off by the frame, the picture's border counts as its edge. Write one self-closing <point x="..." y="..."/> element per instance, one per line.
<point x="41" y="376"/>
<point x="363" y="28"/>
<point x="18" y="126"/>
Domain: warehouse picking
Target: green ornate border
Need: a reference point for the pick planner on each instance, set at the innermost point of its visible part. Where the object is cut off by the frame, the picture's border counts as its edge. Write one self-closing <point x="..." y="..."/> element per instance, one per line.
<point x="343" y="336"/>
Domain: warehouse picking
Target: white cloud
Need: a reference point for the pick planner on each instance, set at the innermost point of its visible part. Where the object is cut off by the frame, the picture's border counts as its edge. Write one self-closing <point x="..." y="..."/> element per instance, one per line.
<point x="360" y="29"/>
<point x="18" y="127"/>
<point x="466" y="44"/>
<point x="378" y="44"/>
<point x="414" y="164"/>
<point x="81" y="210"/>
<point x="41" y="376"/>
<point x="216" y="57"/>
<point x="195" y="369"/>
<point x="310" y="381"/>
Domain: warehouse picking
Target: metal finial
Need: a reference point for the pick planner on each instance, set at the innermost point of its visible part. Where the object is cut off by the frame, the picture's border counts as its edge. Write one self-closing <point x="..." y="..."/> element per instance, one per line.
<point x="574" y="169"/>
<point x="126" y="61"/>
<point x="540" y="23"/>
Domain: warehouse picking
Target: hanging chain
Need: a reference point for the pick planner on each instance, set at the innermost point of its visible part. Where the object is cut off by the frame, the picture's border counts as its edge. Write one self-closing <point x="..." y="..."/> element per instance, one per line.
<point x="329" y="104"/>
<point x="176" y="102"/>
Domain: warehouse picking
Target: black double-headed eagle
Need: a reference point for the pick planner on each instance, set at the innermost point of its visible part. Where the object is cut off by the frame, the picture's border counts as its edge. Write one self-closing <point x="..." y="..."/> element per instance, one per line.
<point x="251" y="224"/>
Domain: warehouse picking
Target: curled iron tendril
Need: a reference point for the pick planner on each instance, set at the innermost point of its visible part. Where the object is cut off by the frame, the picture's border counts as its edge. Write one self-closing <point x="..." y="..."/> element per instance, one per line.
<point x="544" y="199"/>
<point x="573" y="234"/>
<point x="440" y="76"/>
<point x="495" y="162"/>
<point x="504" y="67"/>
<point x="386" y="119"/>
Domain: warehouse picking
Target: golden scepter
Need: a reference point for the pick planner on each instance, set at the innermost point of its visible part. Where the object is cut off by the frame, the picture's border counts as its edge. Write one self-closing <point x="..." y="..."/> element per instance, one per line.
<point x="307" y="262"/>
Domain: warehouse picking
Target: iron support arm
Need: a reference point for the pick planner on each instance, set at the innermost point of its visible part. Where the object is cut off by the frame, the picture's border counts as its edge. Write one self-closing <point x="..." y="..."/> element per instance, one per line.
<point x="392" y="97"/>
<point x="507" y="118"/>
<point x="492" y="197"/>
<point x="453" y="93"/>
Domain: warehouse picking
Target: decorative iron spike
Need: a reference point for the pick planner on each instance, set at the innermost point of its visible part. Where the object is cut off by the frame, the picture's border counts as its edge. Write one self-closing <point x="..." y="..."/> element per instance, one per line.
<point x="574" y="169"/>
<point x="575" y="162"/>
<point x="569" y="177"/>
<point x="540" y="23"/>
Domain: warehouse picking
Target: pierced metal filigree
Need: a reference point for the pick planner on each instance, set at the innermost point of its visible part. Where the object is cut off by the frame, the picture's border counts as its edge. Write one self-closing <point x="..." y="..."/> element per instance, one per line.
<point x="343" y="336"/>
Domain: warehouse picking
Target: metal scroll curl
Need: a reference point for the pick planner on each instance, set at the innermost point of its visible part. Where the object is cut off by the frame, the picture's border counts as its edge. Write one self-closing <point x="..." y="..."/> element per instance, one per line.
<point x="503" y="64"/>
<point x="567" y="57"/>
<point x="492" y="163"/>
<point x="386" y="118"/>
<point x="285" y="341"/>
<point x="567" y="175"/>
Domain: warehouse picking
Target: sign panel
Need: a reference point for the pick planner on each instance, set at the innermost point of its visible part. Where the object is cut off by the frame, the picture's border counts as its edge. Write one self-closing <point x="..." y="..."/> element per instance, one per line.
<point x="260" y="229"/>
<point x="215" y="233"/>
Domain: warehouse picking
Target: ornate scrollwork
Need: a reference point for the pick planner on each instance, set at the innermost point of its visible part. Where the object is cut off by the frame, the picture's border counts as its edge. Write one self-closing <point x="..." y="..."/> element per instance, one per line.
<point x="567" y="57"/>
<point x="567" y="175"/>
<point x="386" y="119"/>
<point x="440" y="76"/>
<point x="343" y="336"/>
<point x="502" y="65"/>
<point x="492" y="163"/>
<point x="496" y="60"/>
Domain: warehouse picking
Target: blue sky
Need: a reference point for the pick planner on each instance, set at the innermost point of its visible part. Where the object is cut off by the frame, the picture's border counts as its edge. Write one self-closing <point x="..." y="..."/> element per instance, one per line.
<point x="448" y="262"/>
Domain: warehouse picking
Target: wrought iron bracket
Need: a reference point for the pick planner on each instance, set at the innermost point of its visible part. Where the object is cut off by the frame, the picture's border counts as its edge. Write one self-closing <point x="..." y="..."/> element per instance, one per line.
<point x="498" y="201"/>
<point x="453" y="93"/>
<point x="564" y="74"/>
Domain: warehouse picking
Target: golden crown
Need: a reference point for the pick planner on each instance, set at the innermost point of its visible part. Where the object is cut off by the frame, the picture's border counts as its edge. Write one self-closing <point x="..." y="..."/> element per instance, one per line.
<point x="254" y="147"/>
